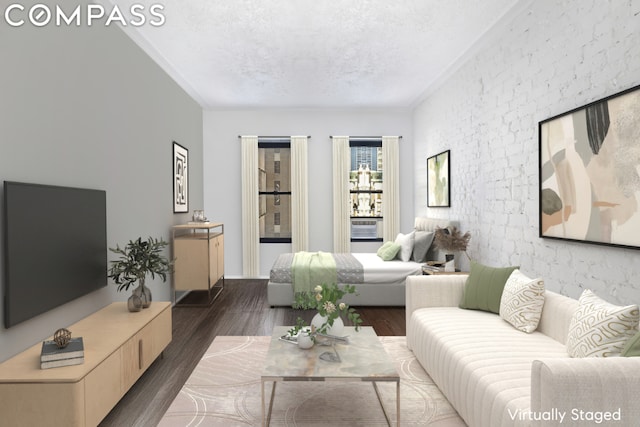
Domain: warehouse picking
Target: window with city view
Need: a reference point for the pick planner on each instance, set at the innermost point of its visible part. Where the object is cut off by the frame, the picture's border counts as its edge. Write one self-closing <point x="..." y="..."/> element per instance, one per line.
<point x="365" y="186"/>
<point x="274" y="164"/>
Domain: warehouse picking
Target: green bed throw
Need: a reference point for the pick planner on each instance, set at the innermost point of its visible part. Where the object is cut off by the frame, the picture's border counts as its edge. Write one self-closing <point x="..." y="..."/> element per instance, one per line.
<point x="310" y="269"/>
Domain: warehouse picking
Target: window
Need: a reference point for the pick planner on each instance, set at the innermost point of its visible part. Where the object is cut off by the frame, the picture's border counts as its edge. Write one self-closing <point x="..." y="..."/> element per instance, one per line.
<point x="365" y="187"/>
<point x="274" y="190"/>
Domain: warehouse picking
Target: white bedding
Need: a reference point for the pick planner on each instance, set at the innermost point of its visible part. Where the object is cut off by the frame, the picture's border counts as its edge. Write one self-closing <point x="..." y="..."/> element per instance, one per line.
<point x="378" y="271"/>
<point x="384" y="281"/>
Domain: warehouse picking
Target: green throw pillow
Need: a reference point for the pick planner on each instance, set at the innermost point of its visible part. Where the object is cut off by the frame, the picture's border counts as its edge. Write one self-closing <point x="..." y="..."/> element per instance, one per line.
<point x="632" y="347"/>
<point x="388" y="251"/>
<point x="483" y="289"/>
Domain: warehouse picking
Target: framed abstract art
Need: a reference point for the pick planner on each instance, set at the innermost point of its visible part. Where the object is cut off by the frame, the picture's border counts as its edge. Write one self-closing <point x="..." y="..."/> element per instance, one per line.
<point x="438" y="178"/>
<point x="590" y="172"/>
<point x="180" y="178"/>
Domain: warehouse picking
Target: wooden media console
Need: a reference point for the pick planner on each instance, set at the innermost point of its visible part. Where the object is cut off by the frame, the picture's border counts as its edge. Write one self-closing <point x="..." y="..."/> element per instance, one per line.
<point x="118" y="347"/>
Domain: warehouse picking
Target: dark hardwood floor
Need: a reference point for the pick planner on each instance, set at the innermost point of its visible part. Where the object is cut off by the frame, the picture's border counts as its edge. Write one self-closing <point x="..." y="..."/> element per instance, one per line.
<point x="241" y="309"/>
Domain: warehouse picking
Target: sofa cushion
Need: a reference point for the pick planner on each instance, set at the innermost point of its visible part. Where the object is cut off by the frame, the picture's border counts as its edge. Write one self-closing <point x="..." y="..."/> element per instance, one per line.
<point x="632" y="347"/>
<point x="600" y="329"/>
<point x="388" y="251"/>
<point x="480" y="363"/>
<point x="522" y="301"/>
<point x="556" y="315"/>
<point x="484" y="286"/>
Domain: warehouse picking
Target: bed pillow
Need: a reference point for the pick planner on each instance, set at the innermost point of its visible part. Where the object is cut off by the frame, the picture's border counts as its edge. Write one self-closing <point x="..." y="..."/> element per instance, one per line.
<point x="522" y="301"/>
<point x="388" y="251"/>
<point x="421" y="244"/>
<point x="483" y="289"/>
<point x="406" y="245"/>
<point x="600" y="329"/>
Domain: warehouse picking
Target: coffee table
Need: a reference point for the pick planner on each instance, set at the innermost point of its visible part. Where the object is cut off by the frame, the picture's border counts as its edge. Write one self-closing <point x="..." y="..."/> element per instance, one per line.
<point x="362" y="359"/>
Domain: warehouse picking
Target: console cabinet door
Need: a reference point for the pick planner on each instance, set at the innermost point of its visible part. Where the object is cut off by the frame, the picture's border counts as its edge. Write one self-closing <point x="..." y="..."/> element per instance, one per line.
<point x="137" y="355"/>
<point x="103" y="389"/>
<point x="191" y="268"/>
<point x="161" y="328"/>
<point x="219" y="257"/>
<point x="33" y="404"/>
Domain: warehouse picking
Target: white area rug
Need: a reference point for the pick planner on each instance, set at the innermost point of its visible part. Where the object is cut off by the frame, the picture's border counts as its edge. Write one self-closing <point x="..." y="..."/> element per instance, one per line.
<point x="224" y="390"/>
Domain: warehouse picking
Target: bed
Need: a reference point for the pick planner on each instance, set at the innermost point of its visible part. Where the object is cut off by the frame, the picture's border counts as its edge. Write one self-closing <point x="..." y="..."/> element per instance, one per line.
<point x="378" y="282"/>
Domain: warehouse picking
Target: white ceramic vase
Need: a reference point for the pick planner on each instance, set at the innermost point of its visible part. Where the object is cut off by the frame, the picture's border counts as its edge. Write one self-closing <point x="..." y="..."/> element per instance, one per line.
<point x="336" y="329"/>
<point x="450" y="264"/>
<point x="305" y="341"/>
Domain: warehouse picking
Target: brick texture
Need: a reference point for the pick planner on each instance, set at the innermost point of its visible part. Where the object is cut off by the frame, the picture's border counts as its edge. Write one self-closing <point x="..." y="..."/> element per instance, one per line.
<point x="550" y="58"/>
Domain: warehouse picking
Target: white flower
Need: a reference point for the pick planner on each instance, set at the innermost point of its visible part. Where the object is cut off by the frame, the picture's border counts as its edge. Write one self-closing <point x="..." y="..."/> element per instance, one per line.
<point x="342" y="306"/>
<point x="317" y="289"/>
<point x="318" y="297"/>
<point x="329" y="307"/>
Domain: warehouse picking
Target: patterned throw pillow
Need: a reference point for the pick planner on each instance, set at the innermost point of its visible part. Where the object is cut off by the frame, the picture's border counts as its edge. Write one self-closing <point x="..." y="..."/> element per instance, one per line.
<point x="600" y="329"/>
<point x="522" y="301"/>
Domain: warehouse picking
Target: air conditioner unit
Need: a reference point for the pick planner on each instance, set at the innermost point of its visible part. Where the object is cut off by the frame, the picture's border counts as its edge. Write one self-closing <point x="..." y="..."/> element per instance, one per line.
<point x="364" y="229"/>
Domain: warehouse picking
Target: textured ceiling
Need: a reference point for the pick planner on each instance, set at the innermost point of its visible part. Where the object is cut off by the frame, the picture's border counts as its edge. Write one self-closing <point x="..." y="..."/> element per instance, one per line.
<point x="314" y="53"/>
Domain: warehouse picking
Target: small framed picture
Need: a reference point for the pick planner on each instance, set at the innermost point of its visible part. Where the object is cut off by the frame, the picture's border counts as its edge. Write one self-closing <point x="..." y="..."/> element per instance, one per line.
<point x="180" y="178"/>
<point x="438" y="177"/>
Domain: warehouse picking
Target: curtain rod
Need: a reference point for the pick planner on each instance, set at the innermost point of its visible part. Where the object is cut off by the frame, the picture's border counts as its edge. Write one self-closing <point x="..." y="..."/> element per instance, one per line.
<point x="364" y="137"/>
<point x="275" y="137"/>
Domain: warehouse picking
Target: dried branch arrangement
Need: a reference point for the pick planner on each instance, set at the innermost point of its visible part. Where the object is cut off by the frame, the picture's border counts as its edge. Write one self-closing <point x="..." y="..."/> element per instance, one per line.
<point x="451" y="239"/>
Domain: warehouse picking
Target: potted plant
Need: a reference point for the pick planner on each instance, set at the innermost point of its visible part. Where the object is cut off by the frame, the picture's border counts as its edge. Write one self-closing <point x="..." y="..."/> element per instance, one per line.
<point x="136" y="260"/>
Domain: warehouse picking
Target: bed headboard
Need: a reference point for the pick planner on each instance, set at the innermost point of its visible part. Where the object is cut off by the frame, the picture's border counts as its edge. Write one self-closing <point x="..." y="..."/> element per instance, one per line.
<point x="429" y="224"/>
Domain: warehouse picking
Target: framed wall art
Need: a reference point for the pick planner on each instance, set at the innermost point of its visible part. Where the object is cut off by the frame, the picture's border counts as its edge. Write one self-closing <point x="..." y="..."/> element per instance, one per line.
<point x="590" y="172"/>
<point x="438" y="178"/>
<point x="180" y="178"/>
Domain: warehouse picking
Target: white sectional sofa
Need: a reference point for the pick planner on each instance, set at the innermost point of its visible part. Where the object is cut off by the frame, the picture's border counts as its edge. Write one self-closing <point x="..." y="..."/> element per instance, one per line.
<point x="495" y="375"/>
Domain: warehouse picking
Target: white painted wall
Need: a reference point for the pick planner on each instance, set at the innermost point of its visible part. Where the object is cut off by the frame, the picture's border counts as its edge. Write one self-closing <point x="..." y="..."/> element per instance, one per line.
<point x="222" y="174"/>
<point x="85" y="107"/>
<point x="554" y="56"/>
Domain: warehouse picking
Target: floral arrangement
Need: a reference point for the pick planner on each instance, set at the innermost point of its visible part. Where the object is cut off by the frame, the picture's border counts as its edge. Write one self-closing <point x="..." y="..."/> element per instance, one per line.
<point x="326" y="300"/>
<point x="451" y="239"/>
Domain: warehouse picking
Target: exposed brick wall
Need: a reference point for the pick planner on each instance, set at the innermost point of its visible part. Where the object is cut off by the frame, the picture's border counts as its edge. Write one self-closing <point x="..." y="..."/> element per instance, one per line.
<point x="553" y="57"/>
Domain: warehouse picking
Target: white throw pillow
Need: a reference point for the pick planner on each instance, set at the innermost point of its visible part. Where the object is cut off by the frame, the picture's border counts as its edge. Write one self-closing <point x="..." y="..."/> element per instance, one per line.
<point x="522" y="301"/>
<point x="600" y="329"/>
<point x="406" y="245"/>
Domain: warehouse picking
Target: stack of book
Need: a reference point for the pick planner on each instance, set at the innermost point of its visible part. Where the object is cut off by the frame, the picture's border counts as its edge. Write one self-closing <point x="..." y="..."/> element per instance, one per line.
<point x="54" y="357"/>
<point x="431" y="268"/>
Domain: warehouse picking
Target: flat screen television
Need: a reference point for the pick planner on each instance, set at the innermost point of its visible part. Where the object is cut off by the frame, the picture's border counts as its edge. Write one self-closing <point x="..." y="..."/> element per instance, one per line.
<point x="55" y="247"/>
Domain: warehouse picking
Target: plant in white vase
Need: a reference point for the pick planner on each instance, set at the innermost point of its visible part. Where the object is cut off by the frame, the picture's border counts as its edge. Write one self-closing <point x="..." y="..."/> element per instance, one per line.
<point x="326" y="300"/>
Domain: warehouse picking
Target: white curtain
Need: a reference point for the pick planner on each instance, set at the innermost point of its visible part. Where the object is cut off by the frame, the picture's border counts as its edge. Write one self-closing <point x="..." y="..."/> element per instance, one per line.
<point x="250" y="207"/>
<point x="341" y="196"/>
<point x="299" y="194"/>
<point x="390" y="187"/>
